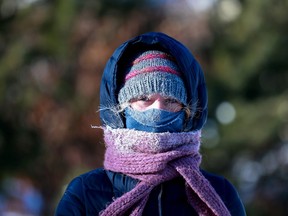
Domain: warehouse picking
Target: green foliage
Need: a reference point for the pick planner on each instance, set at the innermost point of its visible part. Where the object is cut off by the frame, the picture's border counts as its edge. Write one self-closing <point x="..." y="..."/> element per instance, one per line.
<point x="249" y="71"/>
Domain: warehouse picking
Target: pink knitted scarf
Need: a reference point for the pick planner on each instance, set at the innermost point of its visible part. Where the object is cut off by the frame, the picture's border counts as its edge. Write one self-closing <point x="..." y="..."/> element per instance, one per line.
<point x="154" y="158"/>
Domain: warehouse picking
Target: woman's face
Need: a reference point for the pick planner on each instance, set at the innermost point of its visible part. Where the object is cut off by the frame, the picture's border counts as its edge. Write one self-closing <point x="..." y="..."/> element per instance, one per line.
<point x="156" y="101"/>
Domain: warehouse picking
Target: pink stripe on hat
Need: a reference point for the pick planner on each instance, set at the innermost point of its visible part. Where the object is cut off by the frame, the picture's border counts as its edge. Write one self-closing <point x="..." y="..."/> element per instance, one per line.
<point x="151" y="69"/>
<point x="152" y="56"/>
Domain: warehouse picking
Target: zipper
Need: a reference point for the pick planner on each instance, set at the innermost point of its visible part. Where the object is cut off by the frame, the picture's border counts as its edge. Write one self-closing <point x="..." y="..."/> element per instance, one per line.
<point x="159" y="200"/>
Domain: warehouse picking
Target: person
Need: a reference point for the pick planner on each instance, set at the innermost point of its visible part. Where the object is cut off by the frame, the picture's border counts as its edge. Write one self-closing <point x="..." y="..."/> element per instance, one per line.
<point x="153" y="105"/>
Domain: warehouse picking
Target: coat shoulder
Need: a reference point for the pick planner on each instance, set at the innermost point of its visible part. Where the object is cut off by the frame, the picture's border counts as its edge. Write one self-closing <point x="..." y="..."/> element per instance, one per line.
<point x="86" y="194"/>
<point x="227" y="193"/>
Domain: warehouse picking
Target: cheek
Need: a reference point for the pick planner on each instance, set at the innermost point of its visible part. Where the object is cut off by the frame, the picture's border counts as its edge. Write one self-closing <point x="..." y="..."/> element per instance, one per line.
<point x="139" y="105"/>
<point x="143" y="106"/>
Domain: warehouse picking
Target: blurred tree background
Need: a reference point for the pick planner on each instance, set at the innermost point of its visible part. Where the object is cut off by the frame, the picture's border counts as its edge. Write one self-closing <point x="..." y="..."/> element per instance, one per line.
<point x="52" y="54"/>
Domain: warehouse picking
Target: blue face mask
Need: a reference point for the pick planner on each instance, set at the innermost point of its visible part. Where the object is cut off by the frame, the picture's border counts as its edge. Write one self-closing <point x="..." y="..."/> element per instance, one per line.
<point x="155" y="120"/>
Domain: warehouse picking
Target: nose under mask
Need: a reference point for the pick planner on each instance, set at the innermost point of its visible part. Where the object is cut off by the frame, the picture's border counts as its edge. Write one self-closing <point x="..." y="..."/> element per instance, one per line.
<point x="155" y="120"/>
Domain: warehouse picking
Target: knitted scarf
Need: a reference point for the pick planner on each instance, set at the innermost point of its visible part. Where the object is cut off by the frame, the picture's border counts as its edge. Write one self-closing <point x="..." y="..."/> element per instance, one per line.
<point x="154" y="158"/>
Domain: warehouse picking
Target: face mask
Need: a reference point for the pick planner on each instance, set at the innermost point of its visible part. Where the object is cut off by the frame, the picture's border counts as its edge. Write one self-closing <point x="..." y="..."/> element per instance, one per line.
<point x="155" y="120"/>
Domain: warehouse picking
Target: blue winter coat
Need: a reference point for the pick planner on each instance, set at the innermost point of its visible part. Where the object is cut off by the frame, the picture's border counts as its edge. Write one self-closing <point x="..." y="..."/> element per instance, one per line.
<point x="90" y="193"/>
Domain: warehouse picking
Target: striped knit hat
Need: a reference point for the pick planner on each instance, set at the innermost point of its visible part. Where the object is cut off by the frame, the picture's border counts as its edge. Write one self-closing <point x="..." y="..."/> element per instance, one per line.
<point x="153" y="72"/>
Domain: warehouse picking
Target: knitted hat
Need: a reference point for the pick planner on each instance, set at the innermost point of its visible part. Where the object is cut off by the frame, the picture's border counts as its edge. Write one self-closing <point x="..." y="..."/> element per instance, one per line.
<point x="153" y="72"/>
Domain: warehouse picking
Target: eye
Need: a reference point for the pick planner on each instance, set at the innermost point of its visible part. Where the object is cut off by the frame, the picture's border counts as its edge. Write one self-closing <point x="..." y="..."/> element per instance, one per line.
<point x="140" y="99"/>
<point x="143" y="98"/>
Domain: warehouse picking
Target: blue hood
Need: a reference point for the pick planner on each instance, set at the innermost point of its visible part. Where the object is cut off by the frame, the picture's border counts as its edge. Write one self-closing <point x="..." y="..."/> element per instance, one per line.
<point x="114" y="74"/>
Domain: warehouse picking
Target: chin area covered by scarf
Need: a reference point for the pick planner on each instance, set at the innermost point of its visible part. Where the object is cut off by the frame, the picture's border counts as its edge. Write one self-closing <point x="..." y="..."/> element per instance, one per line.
<point x="154" y="158"/>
